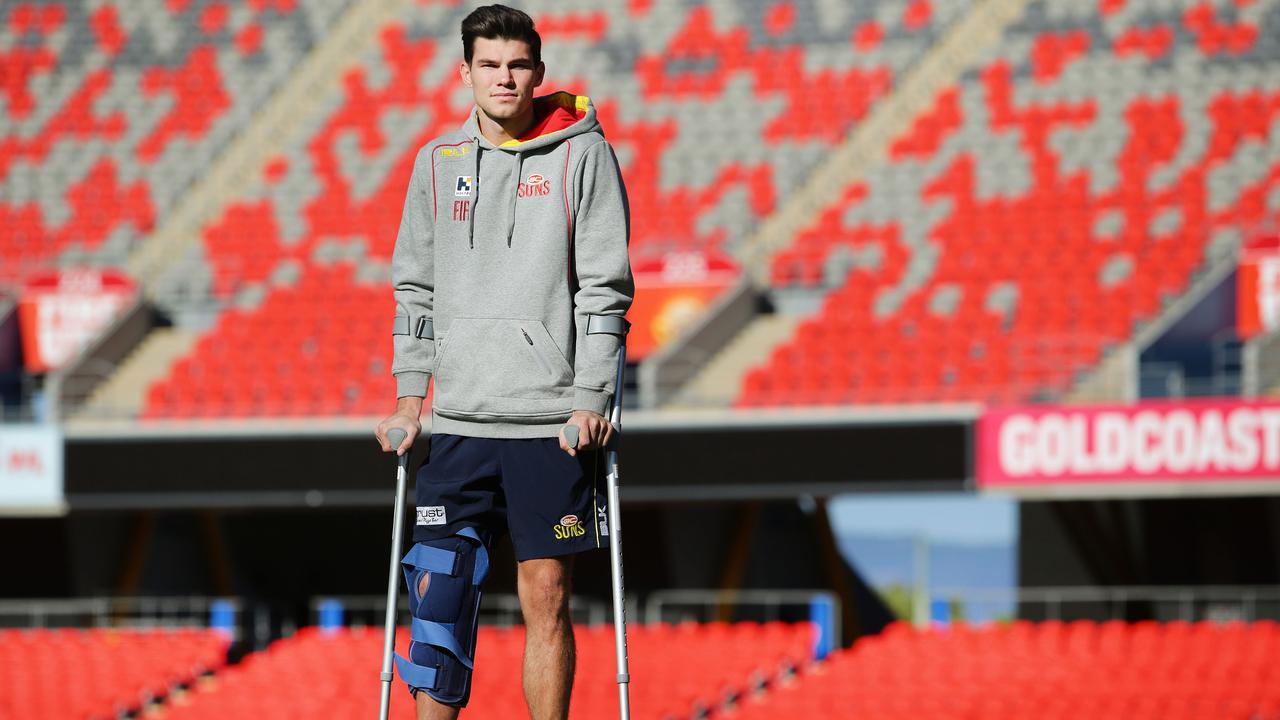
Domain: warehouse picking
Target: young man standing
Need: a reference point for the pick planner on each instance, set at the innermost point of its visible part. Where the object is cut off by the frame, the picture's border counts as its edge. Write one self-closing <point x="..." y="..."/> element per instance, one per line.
<point x="511" y="282"/>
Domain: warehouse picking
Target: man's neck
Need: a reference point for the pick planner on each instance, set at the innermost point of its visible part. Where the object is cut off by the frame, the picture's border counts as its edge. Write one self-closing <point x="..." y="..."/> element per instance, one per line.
<point x="501" y="131"/>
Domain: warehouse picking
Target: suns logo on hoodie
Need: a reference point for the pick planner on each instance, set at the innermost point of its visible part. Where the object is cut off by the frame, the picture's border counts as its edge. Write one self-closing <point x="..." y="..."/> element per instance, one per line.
<point x="534" y="186"/>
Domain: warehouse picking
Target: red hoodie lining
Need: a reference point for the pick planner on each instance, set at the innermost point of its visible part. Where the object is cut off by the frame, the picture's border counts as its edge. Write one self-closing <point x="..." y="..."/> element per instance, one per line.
<point x="548" y="117"/>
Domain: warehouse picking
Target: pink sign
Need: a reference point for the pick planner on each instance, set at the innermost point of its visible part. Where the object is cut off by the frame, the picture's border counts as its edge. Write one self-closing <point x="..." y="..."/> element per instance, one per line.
<point x="1203" y="440"/>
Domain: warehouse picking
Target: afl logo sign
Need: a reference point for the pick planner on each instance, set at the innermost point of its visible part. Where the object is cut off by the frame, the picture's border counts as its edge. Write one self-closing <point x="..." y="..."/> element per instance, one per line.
<point x="534" y="186"/>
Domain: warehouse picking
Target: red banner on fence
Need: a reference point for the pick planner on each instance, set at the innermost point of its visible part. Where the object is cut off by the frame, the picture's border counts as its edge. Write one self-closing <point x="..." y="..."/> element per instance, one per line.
<point x="62" y="310"/>
<point x="1156" y="441"/>
<point x="1258" y="288"/>
<point x="671" y="292"/>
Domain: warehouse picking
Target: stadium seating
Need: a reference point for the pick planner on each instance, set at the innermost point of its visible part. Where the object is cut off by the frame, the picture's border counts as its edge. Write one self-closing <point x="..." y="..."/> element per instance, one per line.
<point x="712" y="109"/>
<point x="1048" y="671"/>
<point x="1061" y="192"/>
<point x="674" y="669"/>
<point x="86" y="674"/>
<point x="295" y="356"/>
<point x="112" y="110"/>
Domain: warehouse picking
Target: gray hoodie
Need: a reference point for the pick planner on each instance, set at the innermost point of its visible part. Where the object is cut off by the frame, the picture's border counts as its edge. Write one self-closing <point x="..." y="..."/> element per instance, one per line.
<point x="506" y="272"/>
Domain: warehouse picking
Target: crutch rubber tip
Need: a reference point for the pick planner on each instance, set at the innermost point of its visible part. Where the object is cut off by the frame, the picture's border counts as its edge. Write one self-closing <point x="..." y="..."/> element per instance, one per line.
<point x="571" y="435"/>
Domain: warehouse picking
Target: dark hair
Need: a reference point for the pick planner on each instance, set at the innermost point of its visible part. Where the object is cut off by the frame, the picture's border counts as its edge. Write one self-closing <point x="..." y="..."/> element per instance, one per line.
<point x="499" y="21"/>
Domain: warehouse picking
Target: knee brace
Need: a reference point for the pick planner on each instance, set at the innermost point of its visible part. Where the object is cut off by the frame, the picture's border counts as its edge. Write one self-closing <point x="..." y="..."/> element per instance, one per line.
<point x="445" y="615"/>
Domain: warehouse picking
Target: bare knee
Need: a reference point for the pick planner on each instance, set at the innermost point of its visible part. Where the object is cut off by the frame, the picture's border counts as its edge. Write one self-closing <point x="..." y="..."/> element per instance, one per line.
<point x="544" y="587"/>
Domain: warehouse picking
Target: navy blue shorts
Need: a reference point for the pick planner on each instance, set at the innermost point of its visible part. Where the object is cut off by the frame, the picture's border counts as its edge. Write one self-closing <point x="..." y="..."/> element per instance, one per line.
<point x="551" y="504"/>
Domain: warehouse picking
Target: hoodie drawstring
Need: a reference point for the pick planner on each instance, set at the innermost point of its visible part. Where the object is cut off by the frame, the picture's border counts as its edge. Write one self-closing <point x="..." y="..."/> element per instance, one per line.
<point x="511" y="216"/>
<point x="475" y="200"/>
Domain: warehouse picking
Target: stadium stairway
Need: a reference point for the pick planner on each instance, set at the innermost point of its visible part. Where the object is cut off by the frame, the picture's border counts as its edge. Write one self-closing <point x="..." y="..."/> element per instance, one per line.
<point x="718" y="382"/>
<point x="288" y="111"/>
<point x="123" y="393"/>
<point x="868" y="143"/>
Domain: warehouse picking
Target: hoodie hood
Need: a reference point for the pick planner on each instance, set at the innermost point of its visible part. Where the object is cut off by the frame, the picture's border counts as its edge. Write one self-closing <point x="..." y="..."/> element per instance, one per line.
<point x="556" y="117"/>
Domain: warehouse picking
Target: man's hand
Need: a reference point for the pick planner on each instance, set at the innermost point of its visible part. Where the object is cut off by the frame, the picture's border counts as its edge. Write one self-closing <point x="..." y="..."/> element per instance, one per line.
<point x="406" y="418"/>
<point x="594" y="431"/>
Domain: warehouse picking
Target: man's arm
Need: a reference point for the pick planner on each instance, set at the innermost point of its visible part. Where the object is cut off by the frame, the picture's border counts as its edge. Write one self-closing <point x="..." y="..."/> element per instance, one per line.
<point x="413" y="280"/>
<point x="605" y="287"/>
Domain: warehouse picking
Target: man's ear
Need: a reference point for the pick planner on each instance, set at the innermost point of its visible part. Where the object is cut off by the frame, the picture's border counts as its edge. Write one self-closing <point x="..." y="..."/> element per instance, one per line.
<point x="464" y="71"/>
<point x="538" y="74"/>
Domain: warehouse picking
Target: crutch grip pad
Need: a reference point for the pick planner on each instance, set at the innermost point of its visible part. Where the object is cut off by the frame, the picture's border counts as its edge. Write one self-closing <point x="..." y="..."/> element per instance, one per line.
<point x="571" y="435"/>
<point x="395" y="436"/>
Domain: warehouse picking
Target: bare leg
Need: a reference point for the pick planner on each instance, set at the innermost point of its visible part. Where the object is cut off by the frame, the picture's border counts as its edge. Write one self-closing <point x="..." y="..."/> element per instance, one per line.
<point x="544" y="587"/>
<point x="429" y="709"/>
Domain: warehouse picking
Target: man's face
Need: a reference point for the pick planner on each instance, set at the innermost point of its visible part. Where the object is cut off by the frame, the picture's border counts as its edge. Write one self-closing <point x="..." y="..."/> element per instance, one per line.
<point x="502" y="76"/>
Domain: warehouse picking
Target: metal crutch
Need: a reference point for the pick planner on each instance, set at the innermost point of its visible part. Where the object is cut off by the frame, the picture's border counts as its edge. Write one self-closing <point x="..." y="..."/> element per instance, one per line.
<point x="395" y="436"/>
<point x="615" y="535"/>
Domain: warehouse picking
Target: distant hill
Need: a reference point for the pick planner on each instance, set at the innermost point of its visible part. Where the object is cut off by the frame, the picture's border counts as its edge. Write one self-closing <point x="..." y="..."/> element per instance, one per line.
<point x="885" y="561"/>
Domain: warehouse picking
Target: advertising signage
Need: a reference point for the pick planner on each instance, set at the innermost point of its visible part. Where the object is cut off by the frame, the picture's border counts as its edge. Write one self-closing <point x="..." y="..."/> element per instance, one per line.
<point x="63" y="310"/>
<point x="1258" y="288"/>
<point x="1200" y="442"/>
<point x="30" y="469"/>
<point x="672" y="292"/>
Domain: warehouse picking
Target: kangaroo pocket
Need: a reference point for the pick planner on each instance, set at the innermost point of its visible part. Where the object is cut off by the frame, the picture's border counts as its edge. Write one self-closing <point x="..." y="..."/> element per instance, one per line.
<point x="495" y="369"/>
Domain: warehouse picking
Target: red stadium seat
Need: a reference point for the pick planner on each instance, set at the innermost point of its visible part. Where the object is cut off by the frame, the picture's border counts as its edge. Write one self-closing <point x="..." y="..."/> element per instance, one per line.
<point x="117" y="113"/>
<point x="1111" y="201"/>
<point x="337" y="667"/>
<point x="114" y="670"/>
<point x="1044" y="670"/>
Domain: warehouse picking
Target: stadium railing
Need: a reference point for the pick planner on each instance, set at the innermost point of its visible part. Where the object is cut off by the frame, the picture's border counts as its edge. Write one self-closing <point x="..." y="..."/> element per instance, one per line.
<point x="1261" y="365"/>
<point x="1163" y="603"/>
<point x="501" y="609"/>
<point x="1222" y="603"/>
<point x="137" y="612"/>
<point x="821" y="607"/>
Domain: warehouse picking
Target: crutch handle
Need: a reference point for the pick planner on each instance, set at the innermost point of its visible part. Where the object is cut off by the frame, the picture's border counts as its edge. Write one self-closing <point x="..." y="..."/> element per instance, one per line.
<point x="395" y="436"/>
<point x="571" y="435"/>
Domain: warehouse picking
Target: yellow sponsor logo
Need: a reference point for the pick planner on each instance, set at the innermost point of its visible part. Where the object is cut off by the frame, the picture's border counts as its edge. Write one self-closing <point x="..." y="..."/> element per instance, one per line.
<point x="569" y="527"/>
<point x="454" y="152"/>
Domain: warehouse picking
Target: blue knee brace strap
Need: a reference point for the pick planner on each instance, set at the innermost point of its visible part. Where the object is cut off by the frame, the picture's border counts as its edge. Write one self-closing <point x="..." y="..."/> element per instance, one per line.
<point x="444" y="617"/>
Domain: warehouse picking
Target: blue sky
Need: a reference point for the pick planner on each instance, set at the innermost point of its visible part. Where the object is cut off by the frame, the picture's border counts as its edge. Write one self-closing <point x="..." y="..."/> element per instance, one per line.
<point x="940" y="517"/>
